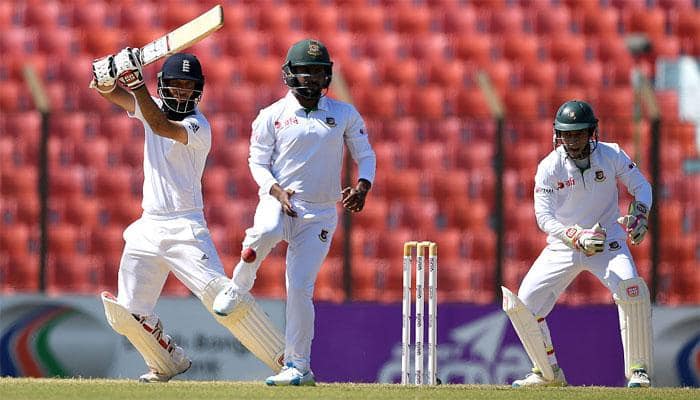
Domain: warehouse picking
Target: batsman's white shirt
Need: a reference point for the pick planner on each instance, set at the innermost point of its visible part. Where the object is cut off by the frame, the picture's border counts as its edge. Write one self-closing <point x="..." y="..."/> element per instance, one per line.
<point x="301" y="151"/>
<point x="565" y="196"/>
<point x="171" y="235"/>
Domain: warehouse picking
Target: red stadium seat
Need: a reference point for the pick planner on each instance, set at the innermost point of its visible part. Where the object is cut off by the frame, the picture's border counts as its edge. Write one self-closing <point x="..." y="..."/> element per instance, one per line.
<point x="329" y="281"/>
<point x="322" y="20"/>
<point x="618" y="103"/>
<point x="472" y="104"/>
<point x="433" y="157"/>
<point x="379" y="102"/>
<point x="523" y="103"/>
<point x="552" y="20"/>
<point x="505" y="21"/>
<point x="56" y="42"/>
<point x="173" y="287"/>
<point x="19" y="274"/>
<point x="99" y="40"/>
<point x="19" y="181"/>
<point x="66" y="240"/>
<point x="16" y="240"/>
<point x="543" y="74"/>
<point x="587" y="74"/>
<point x="461" y="20"/>
<point x="73" y="274"/>
<point x="405" y="73"/>
<point x="568" y="48"/>
<point x="18" y="41"/>
<point x="447" y="73"/>
<point x="360" y="72"/>
<point x="522" y="47"/>
<point x="269" y="282"/>
<point x="651" y="21"/>
<point x="600" y="21"/>
<point x="430" y="46"/>
<point x="364" y="279"/>
<point x="365" y="20"/>
<point x="277" y="18"/>
<point x="473" y="47"/>
<point x="450" y="186"/>
<point x="410" y="19"/>
<point x="429" y="102"/>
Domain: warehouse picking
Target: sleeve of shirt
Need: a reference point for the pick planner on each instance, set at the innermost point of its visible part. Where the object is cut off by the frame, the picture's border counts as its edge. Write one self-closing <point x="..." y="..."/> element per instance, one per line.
<point x="357" y="141"/>
<point x="545" y="202"/>
<point x="137" y="109"/>
<point x="633" y="179"/>
<point x="262" y="146"/>
<point x="198" y="132"/>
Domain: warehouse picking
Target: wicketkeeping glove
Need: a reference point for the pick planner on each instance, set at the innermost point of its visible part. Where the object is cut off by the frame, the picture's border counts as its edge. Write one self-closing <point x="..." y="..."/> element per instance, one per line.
<point x="588" y="241"/>
<point x="129" y="68"/>
<point x="104" y="73"/>
<point x="635" y="222"/>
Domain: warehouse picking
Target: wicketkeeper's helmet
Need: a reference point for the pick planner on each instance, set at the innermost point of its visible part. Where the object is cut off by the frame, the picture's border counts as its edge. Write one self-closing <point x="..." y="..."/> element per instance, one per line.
<point x="575" y="115"/>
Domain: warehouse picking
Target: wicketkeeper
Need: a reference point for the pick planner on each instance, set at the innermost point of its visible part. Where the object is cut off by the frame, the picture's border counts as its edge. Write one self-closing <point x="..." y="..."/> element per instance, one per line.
<point x="576" y="204"/>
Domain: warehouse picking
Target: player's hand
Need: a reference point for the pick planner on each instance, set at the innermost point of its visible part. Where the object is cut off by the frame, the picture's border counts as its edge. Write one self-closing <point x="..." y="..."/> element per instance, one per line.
<point x="283" y="196"/>
<point x="104" y="74"/>
<point x="129" y="68"/>
<point x="354" y="197"/>
<point x="636" y="222"/>
<point x="588" y="241"/>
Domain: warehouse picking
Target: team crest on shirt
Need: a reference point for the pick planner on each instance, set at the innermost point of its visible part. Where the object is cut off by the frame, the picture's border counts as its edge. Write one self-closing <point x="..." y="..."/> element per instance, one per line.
<point x="599" y="175"/>
<point x="331" y="121"/>
<point x="614" y="245"/>
<point x="323" y="236"/>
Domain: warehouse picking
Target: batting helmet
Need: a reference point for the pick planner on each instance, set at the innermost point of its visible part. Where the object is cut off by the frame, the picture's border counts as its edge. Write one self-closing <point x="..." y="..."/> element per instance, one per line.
<point x="181" y="66"/>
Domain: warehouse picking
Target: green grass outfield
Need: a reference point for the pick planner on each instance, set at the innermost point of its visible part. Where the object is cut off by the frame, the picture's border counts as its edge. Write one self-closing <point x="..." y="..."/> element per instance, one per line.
<point x="93" y="389"/>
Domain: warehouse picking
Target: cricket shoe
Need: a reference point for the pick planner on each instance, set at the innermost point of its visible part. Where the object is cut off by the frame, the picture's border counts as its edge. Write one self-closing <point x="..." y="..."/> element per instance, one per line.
<point x="154" y="376"/>
<point x="535" y="378"/>
<point x="639" y="378"/>
<point x="290" y="375"/>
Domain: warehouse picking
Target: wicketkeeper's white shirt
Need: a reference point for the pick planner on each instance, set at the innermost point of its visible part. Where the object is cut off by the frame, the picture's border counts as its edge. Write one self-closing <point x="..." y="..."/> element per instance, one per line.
<point x="564" y="196"/>
<point x="305" y="152"/>
<point x="173" y="171"/>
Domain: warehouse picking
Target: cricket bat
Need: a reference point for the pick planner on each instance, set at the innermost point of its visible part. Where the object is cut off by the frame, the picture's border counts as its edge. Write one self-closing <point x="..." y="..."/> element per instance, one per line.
<point x="184" y="36"/>
<point x="181" y="38"/>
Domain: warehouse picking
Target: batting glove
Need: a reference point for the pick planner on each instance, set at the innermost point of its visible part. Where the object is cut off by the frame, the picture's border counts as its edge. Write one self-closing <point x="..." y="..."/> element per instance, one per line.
<point x="104" y="74"/>
<point x="588" y="241"/>
<point x="636" y="221"/>
<point x="129" y="68"/>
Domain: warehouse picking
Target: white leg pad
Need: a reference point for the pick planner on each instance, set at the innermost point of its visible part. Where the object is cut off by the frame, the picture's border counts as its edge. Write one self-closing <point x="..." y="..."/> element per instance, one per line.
<point x="528" y="331"/>
<point x="634" y="309"/>
<point x="250" y="325"/>
<point x="159" y="351"/>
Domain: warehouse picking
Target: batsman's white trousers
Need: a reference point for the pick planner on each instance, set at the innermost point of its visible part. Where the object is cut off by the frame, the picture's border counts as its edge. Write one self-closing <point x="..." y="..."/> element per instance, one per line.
<point x="558" y="265"/>
<point x="158" y="245"/>
<point x="309" y="236"/>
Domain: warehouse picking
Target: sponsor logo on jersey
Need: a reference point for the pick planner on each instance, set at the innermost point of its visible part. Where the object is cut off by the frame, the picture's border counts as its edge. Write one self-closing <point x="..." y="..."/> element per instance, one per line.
<point x="631" y="165"/>
<point x="204" y="257"/>
<point x="330" y="121"/>
<point x="633" y="291"/>
<point x="571" y="232"/>
<point x="614" y="245"/>
<point x="287" y="122"/>
<point x="323" y="236"/>
<point x="194" y="127"/>
<point x="599" y="175"/>
<point x="641" y="208"/>
<point x="567" y="183"/>
<point x="539" y="189"/>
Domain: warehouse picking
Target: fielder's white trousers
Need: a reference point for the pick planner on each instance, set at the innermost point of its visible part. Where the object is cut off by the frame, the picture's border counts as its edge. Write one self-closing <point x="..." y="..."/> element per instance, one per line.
<point x="558" y="265"/>
<point x="309" y="236"/>
<point x="158" y="245"/>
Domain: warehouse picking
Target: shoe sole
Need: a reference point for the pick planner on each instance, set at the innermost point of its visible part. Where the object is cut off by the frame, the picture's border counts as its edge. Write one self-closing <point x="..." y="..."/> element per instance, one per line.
<point x="179" y="373"/>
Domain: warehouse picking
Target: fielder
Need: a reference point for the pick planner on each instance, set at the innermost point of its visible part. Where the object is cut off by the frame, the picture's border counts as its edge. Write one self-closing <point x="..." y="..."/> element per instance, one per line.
<point x="576" y="204"/>
<point x="171" y="235"/>
<point x="296" y="154"/>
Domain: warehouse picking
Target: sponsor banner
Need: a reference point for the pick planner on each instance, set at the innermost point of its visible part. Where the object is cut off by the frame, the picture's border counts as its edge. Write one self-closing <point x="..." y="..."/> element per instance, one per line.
<point x="69" y="336"/>
<point x="476" y="344"/>
<point x="354" y="342"/>
<point x="677" y="346"/>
